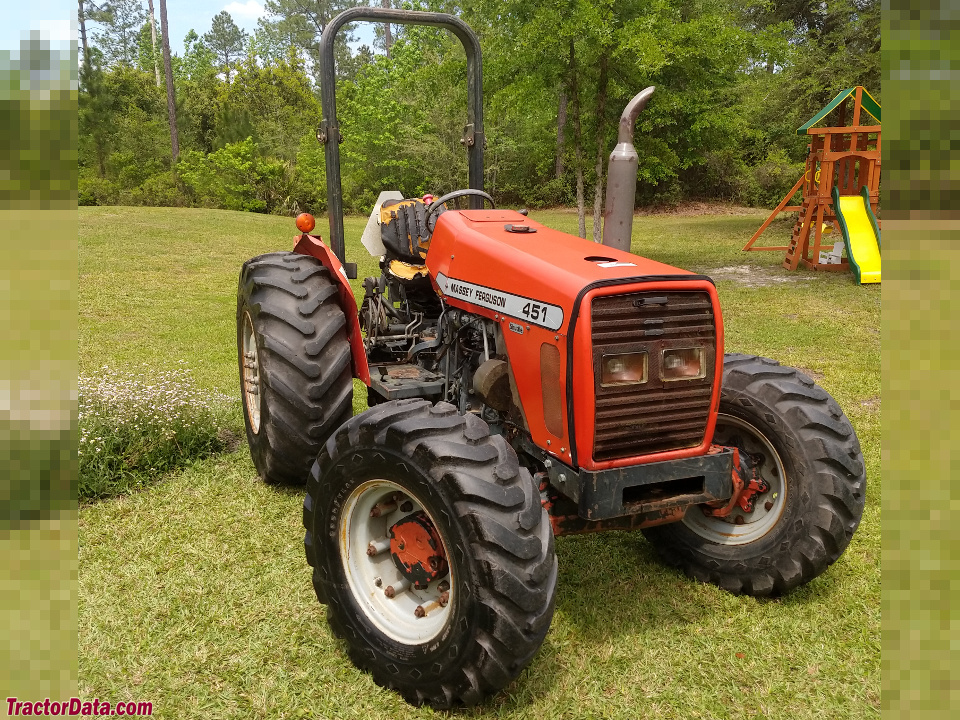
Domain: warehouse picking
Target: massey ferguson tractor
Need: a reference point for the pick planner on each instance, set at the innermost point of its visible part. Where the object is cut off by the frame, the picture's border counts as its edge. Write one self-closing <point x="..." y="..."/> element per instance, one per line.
<point x="522" y="383"/>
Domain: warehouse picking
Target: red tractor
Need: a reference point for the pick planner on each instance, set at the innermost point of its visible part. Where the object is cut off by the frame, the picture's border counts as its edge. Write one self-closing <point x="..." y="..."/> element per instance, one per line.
<point x="523" y="383"/>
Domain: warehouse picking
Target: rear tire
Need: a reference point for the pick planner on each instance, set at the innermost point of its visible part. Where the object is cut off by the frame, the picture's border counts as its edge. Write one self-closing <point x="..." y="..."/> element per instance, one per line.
<point x="810" y="457"/>
<point x="496" y="536"/>
<point x="296" y="378"/>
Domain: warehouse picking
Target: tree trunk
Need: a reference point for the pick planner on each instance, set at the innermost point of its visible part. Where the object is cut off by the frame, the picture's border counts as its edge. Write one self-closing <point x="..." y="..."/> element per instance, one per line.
<point x="601" y="128"/>
<point x="153" y="36"/>
<point x="561" y="124"/>
<point x="577" y="141"/>
<point x="171" y="93"/>
<point x="83" y="38"/>
<point x="89" y="82"/>
<point x="387" y="36"/>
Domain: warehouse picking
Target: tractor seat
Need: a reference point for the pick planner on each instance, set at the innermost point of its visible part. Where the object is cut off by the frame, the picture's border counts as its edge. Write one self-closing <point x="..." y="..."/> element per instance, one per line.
<point x="404" y="231"/>
<point x="407" y="271"/>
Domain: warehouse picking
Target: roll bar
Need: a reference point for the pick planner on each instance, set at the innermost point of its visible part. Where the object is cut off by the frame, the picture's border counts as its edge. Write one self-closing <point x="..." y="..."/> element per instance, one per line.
<point x="329" y="129"/>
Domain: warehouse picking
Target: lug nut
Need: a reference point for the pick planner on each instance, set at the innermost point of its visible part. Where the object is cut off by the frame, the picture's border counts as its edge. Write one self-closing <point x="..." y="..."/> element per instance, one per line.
<point x="444" y="598"/>
<point x="444" y="586"/>
<point x="407" y="506"/>
<point x="767" y="505"/>
<point x="378" y="582"/>
<point x="383" y="508"/>
<point x="738" y="520"/>
<point x="377" y="547"/>
<point x="419" y="611"/>
<point x="398" y="587"/>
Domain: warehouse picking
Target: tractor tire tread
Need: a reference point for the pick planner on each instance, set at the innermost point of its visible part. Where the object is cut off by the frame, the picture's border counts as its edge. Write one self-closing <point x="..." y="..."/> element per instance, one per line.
<point x="821" y="446"/>
<point x="306" y="376"/>
<point x="487" y="493"/>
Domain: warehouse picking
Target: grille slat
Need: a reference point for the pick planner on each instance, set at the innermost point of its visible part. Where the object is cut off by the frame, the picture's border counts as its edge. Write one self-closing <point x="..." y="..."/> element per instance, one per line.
<point x="654" y="416"/>
<point x="630" y="397"/>
<point x="623" y="335"/>
<point x="705" y="318"/>
<point x="612" y="432"/>
<point x="619" y="414"/>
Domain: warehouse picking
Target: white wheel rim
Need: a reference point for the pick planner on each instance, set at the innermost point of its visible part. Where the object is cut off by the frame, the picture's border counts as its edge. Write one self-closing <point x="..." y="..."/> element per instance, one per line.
<point x="395" y="617"/>
<point x="756" y="524"/>
<point x="251" y="373"/>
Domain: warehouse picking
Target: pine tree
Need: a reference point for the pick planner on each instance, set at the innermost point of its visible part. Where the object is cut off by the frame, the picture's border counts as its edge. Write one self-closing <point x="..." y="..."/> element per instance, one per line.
<point x="171" y="93"/>
<point x="226" y="40"/>
<point x="120" y="22"/>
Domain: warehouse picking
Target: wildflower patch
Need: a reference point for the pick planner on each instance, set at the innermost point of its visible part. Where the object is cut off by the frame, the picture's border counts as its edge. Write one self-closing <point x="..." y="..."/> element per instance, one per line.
<point x="134" y="428"/>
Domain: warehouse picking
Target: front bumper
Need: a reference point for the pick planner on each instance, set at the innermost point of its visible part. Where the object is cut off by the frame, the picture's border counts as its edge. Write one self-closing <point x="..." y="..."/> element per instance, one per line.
<point x="647" y="489"/>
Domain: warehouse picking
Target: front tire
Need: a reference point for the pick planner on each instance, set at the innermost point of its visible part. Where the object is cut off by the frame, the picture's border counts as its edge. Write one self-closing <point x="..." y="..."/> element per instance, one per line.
<point x="416" y="462"/>
<point x="294" y="356"/>
<point x="808" y="453"/>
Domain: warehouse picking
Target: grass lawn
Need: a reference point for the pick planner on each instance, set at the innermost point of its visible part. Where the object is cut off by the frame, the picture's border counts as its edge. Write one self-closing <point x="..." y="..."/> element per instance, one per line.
<point x="195" y="594"/>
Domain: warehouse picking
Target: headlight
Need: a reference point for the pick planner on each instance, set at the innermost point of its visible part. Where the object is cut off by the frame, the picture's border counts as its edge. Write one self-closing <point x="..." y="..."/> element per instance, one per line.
<point x="623" y="369"/>
<point x="682" y="364"/>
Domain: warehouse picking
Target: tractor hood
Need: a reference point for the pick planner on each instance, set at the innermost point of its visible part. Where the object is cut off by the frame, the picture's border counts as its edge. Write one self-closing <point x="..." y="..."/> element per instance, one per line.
<point x="507" y="264"/>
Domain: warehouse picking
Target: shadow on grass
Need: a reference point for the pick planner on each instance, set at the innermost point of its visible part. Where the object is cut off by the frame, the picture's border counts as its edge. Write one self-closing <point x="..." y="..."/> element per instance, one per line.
<point x="614" y="584"/>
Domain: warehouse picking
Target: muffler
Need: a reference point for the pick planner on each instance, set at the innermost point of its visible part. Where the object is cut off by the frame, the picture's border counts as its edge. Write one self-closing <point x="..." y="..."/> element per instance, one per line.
<point x="622" y="178"/>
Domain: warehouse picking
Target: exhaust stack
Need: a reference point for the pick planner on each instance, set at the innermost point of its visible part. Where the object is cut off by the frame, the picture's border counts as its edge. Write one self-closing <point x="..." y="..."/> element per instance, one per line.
<point x="622" y="178"/>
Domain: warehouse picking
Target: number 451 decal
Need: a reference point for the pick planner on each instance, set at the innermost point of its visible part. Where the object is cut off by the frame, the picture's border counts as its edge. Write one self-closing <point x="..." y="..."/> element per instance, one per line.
<point x="535" y="312"/>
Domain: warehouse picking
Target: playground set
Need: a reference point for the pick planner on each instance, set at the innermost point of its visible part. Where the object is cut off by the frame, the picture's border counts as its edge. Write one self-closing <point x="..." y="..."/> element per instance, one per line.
<point x="840" y="184"/>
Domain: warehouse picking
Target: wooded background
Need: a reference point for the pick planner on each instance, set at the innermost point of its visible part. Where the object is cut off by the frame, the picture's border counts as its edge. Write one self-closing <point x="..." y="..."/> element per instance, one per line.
<point x="734" y="78"/>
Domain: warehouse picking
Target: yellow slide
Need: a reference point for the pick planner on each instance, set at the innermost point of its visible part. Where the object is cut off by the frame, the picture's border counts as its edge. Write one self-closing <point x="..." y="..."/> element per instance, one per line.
<point x="861" y="234"/>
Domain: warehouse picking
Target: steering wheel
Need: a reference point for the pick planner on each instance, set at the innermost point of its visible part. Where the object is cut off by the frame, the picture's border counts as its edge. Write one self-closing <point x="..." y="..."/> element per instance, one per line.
<point x="438" y="203"/>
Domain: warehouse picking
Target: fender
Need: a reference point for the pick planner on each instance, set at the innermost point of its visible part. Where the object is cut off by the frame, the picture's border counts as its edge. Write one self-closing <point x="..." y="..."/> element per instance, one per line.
<point x="313" y="246"/>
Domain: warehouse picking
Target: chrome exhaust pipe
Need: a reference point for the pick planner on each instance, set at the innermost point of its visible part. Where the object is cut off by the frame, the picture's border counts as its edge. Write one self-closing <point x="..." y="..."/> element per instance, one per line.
<point x="622" y="178"/>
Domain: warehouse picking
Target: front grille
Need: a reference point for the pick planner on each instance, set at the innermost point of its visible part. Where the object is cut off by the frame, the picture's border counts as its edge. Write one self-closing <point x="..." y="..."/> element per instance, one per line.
<point x="654" y="416"/>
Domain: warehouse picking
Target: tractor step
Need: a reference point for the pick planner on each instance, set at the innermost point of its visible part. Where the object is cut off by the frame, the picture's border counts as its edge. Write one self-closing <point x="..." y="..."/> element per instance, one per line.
<point x="395" y="382"/>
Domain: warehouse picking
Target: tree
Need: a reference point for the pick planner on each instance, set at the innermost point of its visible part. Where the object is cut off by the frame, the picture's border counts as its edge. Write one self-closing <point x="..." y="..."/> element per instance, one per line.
<point x="149" y="55"/>
<point x="816" y="50"/>
<point x="226" y="41"/>
<point x="200" y="95"/>
<point x="171" y="93"/>
<point x="120" y="22"/>
<point x="85" y="60"/>
<point x="153" y="37"/>
<point x="299" y="24"/>
<point x="387" y="35"/>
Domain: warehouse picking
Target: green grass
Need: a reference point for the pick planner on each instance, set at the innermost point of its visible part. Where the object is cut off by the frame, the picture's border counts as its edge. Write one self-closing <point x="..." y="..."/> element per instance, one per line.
<point x="195" y="595"/>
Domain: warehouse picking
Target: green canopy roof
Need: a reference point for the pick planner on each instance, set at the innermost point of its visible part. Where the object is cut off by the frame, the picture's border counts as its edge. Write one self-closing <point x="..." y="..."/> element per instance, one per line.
<point x="866" y="103"/>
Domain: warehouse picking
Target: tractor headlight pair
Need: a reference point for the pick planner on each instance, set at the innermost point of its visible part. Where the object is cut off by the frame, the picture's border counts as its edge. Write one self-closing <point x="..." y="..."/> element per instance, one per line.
<point x="632" y="368"/>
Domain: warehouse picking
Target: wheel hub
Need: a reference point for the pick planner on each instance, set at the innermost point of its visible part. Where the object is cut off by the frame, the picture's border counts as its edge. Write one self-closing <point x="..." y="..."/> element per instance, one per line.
<point x="395" y="563"/>
<point x="251" y="373"/>
<point x="756" y="485"/>
<point x="762" y="500"/>
<point x="417" y="551"/>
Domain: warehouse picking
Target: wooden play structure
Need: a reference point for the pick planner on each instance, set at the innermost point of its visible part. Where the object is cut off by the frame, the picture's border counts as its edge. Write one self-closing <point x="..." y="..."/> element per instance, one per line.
<point x="845" y="156"/>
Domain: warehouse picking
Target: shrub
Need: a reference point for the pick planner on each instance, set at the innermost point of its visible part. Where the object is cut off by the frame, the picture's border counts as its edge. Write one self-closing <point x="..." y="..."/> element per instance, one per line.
<point x="97" y="191"/>
<point x="225" y="178"/>
<point x="133" y="429"/>
<point x="553" y="192"/>
<point x="159" y="190"/>
<point x="773" y="178"/>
